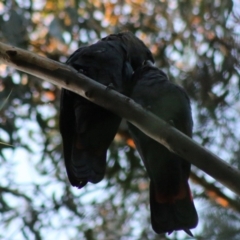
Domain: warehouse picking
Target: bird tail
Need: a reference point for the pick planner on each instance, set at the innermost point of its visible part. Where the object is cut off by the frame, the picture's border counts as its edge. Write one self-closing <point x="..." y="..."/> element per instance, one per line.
<point x="86" y="166"/>
<point x="170" y="213"/>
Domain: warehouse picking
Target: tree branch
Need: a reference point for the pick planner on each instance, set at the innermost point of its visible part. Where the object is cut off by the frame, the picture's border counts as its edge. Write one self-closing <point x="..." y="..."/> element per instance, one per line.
<point x="66" y="77"/>
<point x="14" y="192"/>
<point x="215" y="193"/>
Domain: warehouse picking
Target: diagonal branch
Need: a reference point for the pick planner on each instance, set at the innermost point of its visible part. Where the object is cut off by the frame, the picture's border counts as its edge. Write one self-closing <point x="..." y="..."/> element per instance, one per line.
<point x="215" y="193"/>
<point x="66" y="77"/>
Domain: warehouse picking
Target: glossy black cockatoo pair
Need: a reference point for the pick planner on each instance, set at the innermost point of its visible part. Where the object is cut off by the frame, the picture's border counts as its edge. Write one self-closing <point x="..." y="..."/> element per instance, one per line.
<point x="87" y="129"/>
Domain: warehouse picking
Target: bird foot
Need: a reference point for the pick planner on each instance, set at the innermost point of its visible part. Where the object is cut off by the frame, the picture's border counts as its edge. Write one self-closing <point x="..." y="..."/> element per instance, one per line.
<point x="111" y="87"/>
<point x="188" y="232"/>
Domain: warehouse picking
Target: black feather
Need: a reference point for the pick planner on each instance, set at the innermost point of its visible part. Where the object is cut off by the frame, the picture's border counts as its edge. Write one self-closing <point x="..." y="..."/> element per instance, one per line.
<point x="87" y="129"/>
<point x="171" y="204"/>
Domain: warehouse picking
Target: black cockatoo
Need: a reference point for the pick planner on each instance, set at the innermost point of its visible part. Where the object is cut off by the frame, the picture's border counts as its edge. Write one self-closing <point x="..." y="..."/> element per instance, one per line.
<point x="87" y="129"/>
<point x="171" y="203"/>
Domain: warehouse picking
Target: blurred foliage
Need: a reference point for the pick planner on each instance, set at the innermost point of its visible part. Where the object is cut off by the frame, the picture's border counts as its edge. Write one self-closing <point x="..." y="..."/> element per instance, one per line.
<point x="195" y="42"/>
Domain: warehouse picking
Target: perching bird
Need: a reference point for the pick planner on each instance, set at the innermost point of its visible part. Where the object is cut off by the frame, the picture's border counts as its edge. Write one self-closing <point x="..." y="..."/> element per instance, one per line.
<point x="171" y="203"/>
<point x="87" y="129"/>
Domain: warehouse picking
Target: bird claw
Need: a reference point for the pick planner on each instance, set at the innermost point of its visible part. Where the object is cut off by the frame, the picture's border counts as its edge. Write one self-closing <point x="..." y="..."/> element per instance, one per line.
<point x="81" y="184"/>
<point x="110" y="86"/>
<point x="188" y="232"/>
<point x="82" y="71"/>
<point x="171" y="122"/>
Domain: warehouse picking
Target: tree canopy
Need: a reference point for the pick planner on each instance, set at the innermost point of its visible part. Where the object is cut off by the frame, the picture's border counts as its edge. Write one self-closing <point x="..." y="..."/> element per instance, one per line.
<point x="195" y="42"/>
